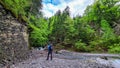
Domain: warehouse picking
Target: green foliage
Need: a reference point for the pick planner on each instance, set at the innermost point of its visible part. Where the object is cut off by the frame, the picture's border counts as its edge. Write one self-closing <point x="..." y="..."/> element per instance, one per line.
<point x="80" y="45"/>
<point x="94" y="31"/>
<point x="39" y="33"/>
<point x="105" y="45"/>
<point x="17" y="7"/>
<point x="114" y="45"/>
<point x="62" y="27"/>
<point x="98" y="45"/>
<point x="83" y="31"/>
<point x="115" y="48"/>
<point x="102" y="16"/>
<point x="94" y="28"/>
<point x="107" y="30"/>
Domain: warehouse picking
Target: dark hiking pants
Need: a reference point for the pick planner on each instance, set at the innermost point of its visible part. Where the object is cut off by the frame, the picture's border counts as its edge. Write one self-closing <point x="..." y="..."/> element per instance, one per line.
<point x="49" y="54"/>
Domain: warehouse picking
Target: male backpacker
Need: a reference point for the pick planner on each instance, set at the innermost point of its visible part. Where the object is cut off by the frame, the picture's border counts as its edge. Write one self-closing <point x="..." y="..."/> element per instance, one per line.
<point x="50" y="49"/>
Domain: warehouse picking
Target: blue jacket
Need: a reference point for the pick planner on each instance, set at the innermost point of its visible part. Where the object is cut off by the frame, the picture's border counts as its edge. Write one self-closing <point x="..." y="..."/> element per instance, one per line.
<point x="49" y="47"/>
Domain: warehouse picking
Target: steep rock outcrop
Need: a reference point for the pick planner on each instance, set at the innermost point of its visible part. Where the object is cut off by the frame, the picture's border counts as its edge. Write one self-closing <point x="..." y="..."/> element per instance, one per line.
<point x="13" y="39"/>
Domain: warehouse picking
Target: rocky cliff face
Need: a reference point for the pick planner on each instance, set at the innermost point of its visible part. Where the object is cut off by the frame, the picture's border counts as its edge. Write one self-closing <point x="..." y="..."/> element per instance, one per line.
<point x="13" y="39"/>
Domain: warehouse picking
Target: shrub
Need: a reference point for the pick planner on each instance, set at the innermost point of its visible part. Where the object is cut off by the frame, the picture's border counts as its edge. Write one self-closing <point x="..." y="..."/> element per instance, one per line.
<point x="80" y="46"/>
<point x="115" y="48"/>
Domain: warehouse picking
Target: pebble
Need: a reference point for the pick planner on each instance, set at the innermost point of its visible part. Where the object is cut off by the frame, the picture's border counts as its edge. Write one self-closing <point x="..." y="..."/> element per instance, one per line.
<point x="65" y="60"/>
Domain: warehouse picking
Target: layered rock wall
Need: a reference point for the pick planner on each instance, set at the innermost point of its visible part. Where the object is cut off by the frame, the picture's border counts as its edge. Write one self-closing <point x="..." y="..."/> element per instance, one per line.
<point x="13" y="39"/>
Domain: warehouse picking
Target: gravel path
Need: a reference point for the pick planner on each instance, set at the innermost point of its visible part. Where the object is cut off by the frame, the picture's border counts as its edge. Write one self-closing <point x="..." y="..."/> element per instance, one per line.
<point x="66" y="59"/>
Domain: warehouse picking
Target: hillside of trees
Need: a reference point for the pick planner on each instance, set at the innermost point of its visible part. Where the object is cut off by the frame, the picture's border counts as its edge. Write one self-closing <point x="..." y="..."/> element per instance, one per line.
<point x="98" y="30"/>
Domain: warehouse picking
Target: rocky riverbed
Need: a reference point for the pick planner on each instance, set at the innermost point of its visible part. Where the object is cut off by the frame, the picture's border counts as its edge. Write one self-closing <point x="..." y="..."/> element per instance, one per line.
<point x="66" y="59"/>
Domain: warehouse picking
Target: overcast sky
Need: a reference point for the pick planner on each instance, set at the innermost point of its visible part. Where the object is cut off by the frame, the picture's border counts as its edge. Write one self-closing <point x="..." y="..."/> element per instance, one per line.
<point x="76" y="6"/>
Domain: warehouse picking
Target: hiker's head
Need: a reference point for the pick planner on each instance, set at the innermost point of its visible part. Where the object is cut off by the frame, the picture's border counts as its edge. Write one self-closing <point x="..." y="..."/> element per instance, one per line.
<point x="49" y="42"/>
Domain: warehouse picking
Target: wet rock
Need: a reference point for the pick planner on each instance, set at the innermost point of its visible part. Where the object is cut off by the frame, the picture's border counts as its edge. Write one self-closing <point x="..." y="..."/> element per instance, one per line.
<point x="65" y="61"/>
<point x="104" y="57"/>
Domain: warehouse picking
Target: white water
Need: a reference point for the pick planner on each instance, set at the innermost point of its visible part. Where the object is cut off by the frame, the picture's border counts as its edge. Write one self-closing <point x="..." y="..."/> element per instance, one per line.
<point x="113" y="62"/>
<point x="116" y="63"/>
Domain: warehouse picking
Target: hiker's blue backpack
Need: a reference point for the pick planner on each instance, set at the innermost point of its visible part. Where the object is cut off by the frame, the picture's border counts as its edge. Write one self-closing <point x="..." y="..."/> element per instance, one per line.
<point x="49" y="47"/>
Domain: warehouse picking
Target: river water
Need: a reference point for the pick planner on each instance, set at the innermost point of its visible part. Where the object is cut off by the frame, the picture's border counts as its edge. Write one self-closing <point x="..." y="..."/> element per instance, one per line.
<point x="111" y="62"/>
<point x="116" y="63"/>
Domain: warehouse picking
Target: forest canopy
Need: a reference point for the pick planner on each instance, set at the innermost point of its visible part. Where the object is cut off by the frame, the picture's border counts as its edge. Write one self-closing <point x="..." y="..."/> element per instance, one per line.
<point x="97" y="30"/>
